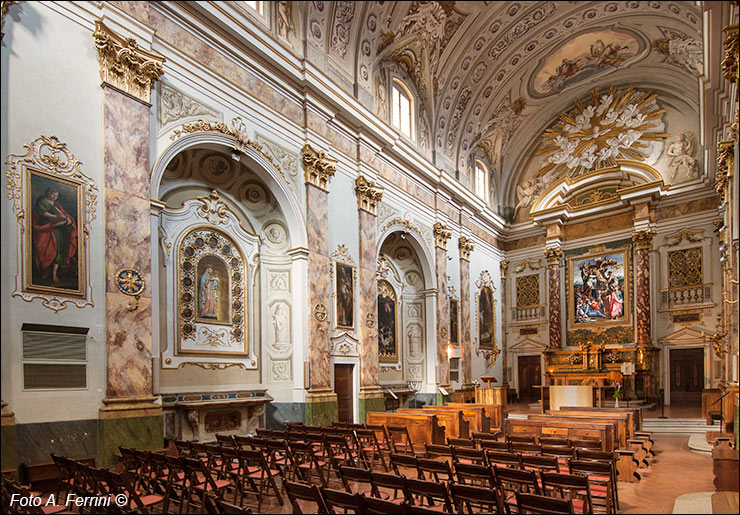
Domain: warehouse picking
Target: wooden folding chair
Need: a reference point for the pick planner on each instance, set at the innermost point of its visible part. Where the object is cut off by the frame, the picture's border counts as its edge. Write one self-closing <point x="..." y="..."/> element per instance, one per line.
<point x="468" y="455"/>
<point x="391" y="482"/>
<point x="511" y="481"/>
<point x="461" y="442"/>
<point x="375" y="506"/>
<point x="504" y="458"/>
<point x="339" y="499"/>
<point x="199" y="481"/>
<point x="225" y="440"/>
<point x="257" y="477"/>
<point x="369" y="448"/>
<point x="400" y="462"/>
<point x="431" y="493"/>
<point x="575" y="488"/>
<point x="118" y="484"/>
<point x="533" y="503"/>
<point x="306" y="463"/>
<point x="363" y="478"/>
<point x="436" y="469"/>
<point x="474" y="474"/>
<point x="401" y="440"/>
<point x="435" y="451"/>
<point x="303" y="492"/>
<point x="475" y="499"/>
<point x="601" y="476"/>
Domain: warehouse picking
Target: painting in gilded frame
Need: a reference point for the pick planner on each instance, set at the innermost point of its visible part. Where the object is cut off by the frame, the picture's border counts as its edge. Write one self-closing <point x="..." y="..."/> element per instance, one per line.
<point x="387" y="323"/>
<point x="599" y="289"/>
<point x="345" y="295"/>
<point x="486" y="320"/>
<point x="454" y="322"/>
<point x="53" y="239"/>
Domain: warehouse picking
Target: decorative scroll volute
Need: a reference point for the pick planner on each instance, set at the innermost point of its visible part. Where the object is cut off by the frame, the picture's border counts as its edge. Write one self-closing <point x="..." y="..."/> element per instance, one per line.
<point x="125" y="65"/>
<point x="504" y="266"/>
<point x="553" y="255"/>
<point x="730" y="61"/>
<point x="441" y="235"/>
<point x="318" y="167"/>
<point x="368" y="195"/>
<point x="466" y="247"/>
<point x="643" y="240"/>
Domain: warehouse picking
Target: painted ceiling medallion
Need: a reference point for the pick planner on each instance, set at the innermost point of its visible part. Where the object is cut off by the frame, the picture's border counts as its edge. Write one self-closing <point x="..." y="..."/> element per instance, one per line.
<point x="614" y="126"/>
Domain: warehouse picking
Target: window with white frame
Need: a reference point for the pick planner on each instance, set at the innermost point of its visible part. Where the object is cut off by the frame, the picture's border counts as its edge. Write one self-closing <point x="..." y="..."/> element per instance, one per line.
<point x="480" y="180"/>
<point x="402" y="109"/>
<point x="255" y="6"/>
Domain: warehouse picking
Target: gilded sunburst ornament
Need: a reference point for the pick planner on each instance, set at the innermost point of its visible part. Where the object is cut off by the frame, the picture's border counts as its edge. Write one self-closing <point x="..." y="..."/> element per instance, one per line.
<point x="613" y="126"/>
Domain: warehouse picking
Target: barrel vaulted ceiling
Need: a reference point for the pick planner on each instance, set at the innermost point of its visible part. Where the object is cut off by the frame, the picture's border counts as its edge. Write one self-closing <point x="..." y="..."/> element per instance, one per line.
<point x="491" y="77"/>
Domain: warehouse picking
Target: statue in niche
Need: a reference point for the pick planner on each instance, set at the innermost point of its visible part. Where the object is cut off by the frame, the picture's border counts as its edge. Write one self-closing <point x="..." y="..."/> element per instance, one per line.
<point x="681" y="158"/>
<point x="280" y="326"/>
<point x="285" y="18"/>
<point x="208" y="300"/>
<point x="414" y="338"/>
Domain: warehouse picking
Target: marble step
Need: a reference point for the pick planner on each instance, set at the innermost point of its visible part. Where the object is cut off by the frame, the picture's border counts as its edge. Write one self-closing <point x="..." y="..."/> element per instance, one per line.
<point x="679" y="425"/>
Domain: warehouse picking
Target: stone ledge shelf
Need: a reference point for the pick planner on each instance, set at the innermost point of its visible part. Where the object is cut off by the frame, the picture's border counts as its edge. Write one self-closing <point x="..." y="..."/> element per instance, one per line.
<point x="199" y="416"/>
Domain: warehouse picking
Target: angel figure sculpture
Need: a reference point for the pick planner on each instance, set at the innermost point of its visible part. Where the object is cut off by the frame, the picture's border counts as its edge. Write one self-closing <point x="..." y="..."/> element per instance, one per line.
<point x="681" y="160"/>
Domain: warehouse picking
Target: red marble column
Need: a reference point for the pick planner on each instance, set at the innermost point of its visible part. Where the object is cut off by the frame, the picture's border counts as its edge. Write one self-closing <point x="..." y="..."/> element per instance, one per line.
<point x="466" y="247"/>
<point x="441" y="235"/>
<point x="642" y="244"/>
<point x="553" y="256"/>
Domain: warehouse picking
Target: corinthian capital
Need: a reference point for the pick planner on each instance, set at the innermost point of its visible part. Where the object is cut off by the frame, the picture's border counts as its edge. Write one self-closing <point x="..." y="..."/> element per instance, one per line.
<point x="466" y="247"/>
<point x="643" y="240"/>
<point x="125" y="65"/>
<point x="553" y="255"/>
<point x="368" y="195"/>
<point x="318" y="167"/>
<point x="441" y="235"/>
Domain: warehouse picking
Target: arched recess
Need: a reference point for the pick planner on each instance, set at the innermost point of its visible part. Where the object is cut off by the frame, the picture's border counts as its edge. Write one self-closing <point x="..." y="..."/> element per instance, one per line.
<point x="426" y="300"/>
<point x="281" y="268"/>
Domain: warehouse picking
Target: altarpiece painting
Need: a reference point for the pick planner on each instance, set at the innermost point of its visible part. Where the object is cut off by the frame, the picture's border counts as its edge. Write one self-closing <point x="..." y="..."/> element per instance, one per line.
<point x="387" y="323"/>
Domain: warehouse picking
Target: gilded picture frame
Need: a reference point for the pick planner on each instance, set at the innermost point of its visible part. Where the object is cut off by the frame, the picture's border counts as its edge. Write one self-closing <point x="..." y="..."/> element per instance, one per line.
<point x="599" y="292"/>
<point x="55" y="205"/>
<point x="387" y="323"/>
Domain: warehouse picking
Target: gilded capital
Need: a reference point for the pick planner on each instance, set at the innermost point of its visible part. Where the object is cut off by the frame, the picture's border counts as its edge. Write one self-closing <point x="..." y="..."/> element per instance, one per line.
<point x="466" y="247"/>
<point x="730" y="61"/>
<point x="504" y="266"/>
<point x="318" y="167"/>
<point x="441" y="235"/>
<point x="725" y="162"/>
<point x="125" y="65"/>
<point x="368" y="195"/>
<point x="643" y="240"/>
<point x="553" y="255"/>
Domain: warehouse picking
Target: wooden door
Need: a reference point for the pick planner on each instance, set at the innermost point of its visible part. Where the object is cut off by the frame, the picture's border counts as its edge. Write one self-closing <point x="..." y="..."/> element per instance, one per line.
<point x="687" y="376"/>
<point x="343" y="389"/>
<point x="529" y="376"/>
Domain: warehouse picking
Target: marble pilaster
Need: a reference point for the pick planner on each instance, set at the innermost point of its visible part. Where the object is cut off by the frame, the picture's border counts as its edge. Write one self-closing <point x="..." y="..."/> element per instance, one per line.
<point x="368" y="301"/>
<point x="553" y="256"/>
<point x="441" y="235"/>
<point x="466" y="247"/>
<point x="642" y="244"/>
<point x="504" y="265"/>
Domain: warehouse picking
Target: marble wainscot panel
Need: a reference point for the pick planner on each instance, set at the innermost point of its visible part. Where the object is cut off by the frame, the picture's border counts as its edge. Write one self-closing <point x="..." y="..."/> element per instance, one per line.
<point x="68" y="438"/>
<point x="368" y="288"/>
<point x="129" y="343"/>
<point x="126" y="155"/>
<point x="127" y="237"/>
<point x="443" y="318"/>
<point x="199" y="416"/>
<point x="278" y="413"/>
<point x="319" y="301"/>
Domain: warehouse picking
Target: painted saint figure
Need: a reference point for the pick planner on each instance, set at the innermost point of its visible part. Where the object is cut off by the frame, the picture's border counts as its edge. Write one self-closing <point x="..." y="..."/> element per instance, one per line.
<point x="208" y="294"/>
<point x="54" y="234"/>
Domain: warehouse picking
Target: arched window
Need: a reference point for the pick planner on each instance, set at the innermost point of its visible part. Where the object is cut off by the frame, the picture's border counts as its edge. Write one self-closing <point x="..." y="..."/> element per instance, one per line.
<point x="481" y="180"/>
<point x="402" y="109"/>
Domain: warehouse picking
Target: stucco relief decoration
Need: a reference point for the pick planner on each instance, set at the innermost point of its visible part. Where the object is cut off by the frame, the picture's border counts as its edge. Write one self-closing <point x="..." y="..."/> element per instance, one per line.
<point x="285" y="18"/>
<point x="582" y="57"/>
<point x="124" y="64"/>
<point x="500" y="127"/>
<point x="318" y="166"/>
<point x="288" y="161"/>
<point x="55" y="205"/>
<point x="466" y="246"/>
<point x="280" y="321"/>
<point x="213" y="209"/>
<point x="682" y="162"/>
<point x="680" y="49"/>
<point x="613" y="126"/>
<point x="343" y="13"/>
<point x="441" y="235"/>
<point x="237" y="131"/>
<point x="730" y="61"/>
<point x="368" y="194"/>
<point x="175" y="105"/>
<point x="280" y="370"/>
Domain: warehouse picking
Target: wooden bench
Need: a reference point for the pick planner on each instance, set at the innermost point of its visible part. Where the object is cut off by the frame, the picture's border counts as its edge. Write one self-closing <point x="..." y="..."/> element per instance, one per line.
<point x="453" y="421"/>
<point x="622" y="421"/>
<point x="495" y="413"/>
<point x="476" y="417"/>
<point x="636" y="413"/>
<point x="44" y="475"/>
<point x="422" y="427"/>
<point x="603" y="432"/>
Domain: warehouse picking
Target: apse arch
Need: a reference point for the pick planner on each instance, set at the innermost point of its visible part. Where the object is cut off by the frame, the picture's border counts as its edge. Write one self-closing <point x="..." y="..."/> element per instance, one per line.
<point x="416" y="241"/>
<point x="257" y="163"/>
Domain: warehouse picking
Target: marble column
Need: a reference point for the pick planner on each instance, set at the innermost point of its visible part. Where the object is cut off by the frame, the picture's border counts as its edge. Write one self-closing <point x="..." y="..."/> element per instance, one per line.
<point x="321" y="401"/>
<point x="466" y="247"/>
<point x="441" y="235"/>
<point x="372" y="397"/>
<point x="504" y="266"/>
<point x="129" y="416"/>
<point x="642" y="244"/>
<point x="553" y="257"/>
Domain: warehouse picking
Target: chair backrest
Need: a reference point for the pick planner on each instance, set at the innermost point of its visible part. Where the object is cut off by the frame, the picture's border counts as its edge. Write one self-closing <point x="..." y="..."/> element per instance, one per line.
<point x="592" y="454"/>
<point x="510" y="459"/>
<point x="381" y="434"/>
<point x="434" y="450"/>
<point x="554" y="440"/>
<point x="540" y="463"/>
<point x="304" y="492"/>
<point x="431" y="491"/>
<point x="495" y="445"/>
<point x="476" y="499"/>
<point x="381" y="506"/>
<point x="461" y="442"/>
<point x="439" y="470"/>
<point x="474" y="472"/>
<point x="392" y="481"/>
<point x="533" y="503"/>
<point x="400" y="439"/>
<point x="403" y="460"/>
<point x="586" y="443"/>
<point x="526" y="447"/>
<point x="522" y="438"/>
<point x="568" y="486"/>
<point x="468" y="454"/>
<point x="338" y="451"/>
<point x="225" y="440"/>
<point x="562" y="451"/>
<point x="339" y="499"/>
<point x="356" y="474"/>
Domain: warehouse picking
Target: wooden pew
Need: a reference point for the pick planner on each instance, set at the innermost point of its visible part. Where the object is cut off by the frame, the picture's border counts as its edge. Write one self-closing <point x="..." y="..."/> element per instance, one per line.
<point x="623" y="421"/>
<point x="496" y="414"/>
<point x="636" y="413"/>
<point x="476" y="417"/>
<point x="422" y="427"/>
<point x="453" y="421"/>
<point x="604" y="432"/>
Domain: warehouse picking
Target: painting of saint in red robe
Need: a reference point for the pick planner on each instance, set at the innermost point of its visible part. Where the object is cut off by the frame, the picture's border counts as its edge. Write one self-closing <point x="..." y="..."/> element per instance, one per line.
<point x="54" y="234"/>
